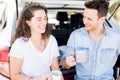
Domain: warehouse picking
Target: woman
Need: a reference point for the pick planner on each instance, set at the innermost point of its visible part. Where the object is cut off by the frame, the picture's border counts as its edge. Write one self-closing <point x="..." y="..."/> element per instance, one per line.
<point x="34" y="53"/>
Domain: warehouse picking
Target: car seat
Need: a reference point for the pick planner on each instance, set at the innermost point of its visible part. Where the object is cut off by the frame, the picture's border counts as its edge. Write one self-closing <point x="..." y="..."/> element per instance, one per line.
<point x="76" y="21"/>
<point x="62" y="17"/>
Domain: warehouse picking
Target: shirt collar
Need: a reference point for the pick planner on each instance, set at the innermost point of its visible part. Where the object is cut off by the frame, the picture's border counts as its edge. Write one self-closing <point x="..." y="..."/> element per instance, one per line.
<point x="106" y="32"/>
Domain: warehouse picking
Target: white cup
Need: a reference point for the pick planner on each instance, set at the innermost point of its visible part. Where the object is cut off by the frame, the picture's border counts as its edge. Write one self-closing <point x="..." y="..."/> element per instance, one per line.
<point x="81" y="57"/>
<point x="56" y="75"/>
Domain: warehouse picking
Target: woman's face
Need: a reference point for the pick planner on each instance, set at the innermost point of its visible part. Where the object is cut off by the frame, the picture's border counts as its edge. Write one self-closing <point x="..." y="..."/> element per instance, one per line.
<point x="38" y="22"/>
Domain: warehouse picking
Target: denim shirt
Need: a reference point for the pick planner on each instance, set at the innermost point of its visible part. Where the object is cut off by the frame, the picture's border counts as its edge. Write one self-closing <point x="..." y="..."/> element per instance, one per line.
<point x="102" y="55"/>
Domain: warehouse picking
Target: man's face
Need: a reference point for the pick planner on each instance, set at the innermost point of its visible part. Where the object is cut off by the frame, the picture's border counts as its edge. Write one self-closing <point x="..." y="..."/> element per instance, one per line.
<point x="90" y="19"/>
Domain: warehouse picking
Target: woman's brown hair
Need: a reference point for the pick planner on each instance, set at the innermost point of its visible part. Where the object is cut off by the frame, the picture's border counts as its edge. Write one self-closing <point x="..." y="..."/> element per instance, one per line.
<point x="22" y="29"/>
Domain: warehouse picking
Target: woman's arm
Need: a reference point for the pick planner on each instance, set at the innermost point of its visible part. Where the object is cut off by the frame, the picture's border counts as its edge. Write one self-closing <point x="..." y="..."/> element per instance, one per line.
<point x="55" y="65"/>
<point x="15" y="68"/>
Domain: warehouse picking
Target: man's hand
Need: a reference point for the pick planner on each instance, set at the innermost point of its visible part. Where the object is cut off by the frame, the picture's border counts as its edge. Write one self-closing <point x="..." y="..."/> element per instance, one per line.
<point x="69" y="61"/>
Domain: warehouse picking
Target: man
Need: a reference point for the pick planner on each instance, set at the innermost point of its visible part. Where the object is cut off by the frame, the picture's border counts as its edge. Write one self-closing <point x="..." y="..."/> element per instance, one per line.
<point x="100" y="43"/>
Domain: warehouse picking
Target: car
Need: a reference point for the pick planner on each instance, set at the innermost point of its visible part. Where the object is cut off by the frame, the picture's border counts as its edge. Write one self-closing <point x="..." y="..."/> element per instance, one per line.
<point x="64" y="16"/>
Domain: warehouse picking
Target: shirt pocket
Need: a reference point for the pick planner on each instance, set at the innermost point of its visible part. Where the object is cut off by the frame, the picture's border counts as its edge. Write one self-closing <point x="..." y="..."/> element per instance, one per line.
<point x="107" y="55"/>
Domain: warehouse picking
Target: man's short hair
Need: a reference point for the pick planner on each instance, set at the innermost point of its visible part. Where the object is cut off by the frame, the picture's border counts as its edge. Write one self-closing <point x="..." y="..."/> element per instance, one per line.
<point x="100" y="5"/>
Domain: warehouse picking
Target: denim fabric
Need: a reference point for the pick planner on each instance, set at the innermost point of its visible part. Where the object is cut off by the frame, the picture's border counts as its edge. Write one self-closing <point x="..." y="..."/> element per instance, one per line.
<point x="102" y="54"/>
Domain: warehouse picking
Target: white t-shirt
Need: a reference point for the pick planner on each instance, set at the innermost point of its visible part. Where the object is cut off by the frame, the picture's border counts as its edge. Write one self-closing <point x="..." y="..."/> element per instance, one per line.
<point x="35" y="64"/>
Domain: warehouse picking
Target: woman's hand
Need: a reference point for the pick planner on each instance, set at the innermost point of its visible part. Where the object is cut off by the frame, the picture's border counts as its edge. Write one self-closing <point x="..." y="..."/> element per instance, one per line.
<point x="45" y="77"/>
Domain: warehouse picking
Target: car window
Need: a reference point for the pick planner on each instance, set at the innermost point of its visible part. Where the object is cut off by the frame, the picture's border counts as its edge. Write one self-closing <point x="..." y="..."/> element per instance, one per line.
<point x="113" y="7"/>
<point x="3" y="5"/>
<point x="114" y="14"/>
<point x="8" y="21"/>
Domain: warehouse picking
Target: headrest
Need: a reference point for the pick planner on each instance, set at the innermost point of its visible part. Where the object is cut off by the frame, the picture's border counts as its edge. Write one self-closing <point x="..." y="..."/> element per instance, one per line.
<point x="76" y="20"/>
<point x="62" y="16"/>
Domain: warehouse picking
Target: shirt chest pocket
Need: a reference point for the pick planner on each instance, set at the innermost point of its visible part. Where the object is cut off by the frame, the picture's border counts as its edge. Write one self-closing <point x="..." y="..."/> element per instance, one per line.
<point x="107" y="55"/>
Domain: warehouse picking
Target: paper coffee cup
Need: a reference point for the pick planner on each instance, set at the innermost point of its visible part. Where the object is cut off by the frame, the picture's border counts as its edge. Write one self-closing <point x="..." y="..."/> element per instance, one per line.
<point x="56" y="75"/>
